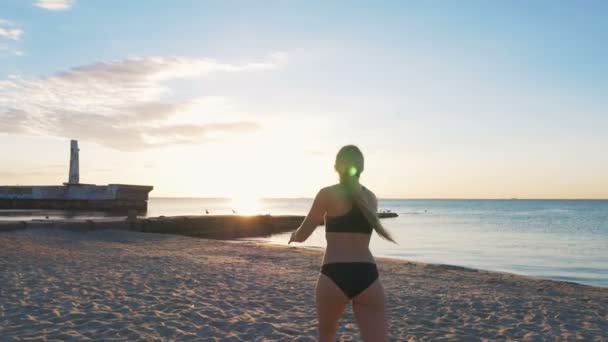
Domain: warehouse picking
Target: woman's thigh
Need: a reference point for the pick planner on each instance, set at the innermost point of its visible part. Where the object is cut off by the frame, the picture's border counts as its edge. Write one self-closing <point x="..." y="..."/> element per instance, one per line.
<point x="330" y="304"/>
<point x="370" y="312"/>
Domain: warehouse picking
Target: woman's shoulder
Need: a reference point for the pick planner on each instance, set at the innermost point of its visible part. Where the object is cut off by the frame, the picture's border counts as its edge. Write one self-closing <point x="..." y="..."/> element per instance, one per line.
<point x="331" y="192"/>
<point x="334" y="189"/>
<point x="328" y="191"/>
<point x="370" y="195"/>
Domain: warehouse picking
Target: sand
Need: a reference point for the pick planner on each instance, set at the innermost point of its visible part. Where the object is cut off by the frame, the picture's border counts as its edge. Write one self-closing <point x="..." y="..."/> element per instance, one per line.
<point x="118" y="285"/>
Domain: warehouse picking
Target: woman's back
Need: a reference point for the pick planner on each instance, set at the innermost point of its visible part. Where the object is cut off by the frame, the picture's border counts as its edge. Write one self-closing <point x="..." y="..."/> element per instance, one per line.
<point x="347" y="231"/>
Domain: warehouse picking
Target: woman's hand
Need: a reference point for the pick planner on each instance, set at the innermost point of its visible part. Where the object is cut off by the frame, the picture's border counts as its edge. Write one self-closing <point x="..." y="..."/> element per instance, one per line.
<point x="292" y="238"/>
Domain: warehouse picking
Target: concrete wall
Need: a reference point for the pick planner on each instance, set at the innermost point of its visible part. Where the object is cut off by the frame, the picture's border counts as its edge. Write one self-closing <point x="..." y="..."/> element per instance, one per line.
<point x="76" y="192"/>
<point x="74" y="204"/>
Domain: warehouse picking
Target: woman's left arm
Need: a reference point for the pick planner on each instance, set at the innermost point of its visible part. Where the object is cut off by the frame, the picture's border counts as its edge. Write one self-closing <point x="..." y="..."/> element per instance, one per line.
<point x="315" y="217"/>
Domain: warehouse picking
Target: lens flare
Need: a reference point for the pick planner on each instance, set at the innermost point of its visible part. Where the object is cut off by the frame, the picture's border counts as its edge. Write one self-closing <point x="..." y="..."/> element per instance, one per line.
<point x="352" y="171"/>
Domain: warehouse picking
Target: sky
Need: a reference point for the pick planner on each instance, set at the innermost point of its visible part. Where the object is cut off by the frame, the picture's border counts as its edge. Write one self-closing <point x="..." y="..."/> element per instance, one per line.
<point x="458" y="99"/>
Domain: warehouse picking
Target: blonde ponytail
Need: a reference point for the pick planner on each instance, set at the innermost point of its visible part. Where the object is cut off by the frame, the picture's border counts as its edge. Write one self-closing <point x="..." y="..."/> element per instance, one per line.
<point x="370" y="213"/>
<point x="349" y="165"/>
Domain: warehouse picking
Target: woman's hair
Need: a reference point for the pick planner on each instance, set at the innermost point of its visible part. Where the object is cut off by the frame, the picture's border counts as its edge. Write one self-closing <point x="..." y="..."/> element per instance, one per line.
<point x="349" y="165"/>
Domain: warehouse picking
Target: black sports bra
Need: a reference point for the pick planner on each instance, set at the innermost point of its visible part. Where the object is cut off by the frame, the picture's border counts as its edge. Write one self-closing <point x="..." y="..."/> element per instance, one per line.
<point x="352" y="222"/>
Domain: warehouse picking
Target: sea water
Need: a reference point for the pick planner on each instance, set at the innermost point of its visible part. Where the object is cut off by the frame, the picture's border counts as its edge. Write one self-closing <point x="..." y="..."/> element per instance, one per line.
<point x="555" y="239"/>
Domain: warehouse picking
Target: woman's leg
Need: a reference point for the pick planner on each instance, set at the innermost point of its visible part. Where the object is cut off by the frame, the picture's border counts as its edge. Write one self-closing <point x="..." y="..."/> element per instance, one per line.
<point x="370" y="313"/>
<point x="330" y="306"/>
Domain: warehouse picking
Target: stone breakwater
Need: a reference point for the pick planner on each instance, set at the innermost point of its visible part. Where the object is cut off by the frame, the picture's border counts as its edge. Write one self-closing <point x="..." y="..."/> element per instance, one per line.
<point x="209" y="226"/>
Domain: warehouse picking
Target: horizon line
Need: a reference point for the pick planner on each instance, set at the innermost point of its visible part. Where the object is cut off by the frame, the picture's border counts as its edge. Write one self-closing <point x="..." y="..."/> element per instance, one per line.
<point x="412" y="198"/>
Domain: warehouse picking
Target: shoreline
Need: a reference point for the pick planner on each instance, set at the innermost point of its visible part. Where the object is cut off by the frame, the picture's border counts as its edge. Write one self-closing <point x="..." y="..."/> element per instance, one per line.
<point x="122" y="285"/>
<point x="389" y="259"/>
<point x="253" y="228"/>
<point x="455" y="266"/>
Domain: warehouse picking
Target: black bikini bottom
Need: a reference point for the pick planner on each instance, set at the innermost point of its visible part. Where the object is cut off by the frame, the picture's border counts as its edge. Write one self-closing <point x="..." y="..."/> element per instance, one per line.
<point x="351" y="277"/>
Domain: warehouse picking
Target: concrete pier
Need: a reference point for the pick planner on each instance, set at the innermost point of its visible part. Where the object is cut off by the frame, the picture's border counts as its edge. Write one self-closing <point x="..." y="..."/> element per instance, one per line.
<point x="208" y="226"/>
<point x="113" y="197"/>
<point x="74" y="195"/>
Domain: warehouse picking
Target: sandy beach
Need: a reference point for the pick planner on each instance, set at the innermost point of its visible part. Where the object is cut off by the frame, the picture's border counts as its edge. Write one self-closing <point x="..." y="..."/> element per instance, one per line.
<point x="119" y="285"/>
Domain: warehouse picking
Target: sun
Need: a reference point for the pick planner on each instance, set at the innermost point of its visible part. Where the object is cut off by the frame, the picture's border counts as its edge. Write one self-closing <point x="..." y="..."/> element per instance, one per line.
<point x="246" y="205"/>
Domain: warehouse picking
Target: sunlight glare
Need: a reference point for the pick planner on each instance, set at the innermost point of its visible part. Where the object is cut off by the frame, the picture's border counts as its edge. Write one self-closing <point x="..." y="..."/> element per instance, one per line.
<point x="246" y="205"/>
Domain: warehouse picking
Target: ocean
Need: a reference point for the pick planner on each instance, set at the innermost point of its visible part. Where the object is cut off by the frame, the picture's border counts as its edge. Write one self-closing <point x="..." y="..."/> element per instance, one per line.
<point x="555" y="239"/>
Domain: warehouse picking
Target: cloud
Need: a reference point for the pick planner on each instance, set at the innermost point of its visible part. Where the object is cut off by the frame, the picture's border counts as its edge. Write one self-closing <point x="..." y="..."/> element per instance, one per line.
<point x="8" y="31"/>
<point x="119" y="104"/>
<point x="55" y="5"/>
<point x="41" y="170"/>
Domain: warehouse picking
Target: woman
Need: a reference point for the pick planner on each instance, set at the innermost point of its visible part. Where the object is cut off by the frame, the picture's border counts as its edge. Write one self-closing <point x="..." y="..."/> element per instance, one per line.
<point x="349" y="272"/>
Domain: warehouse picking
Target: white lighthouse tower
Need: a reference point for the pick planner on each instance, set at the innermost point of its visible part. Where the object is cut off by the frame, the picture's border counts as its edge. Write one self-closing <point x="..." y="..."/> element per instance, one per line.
<point x="74" y="163"/>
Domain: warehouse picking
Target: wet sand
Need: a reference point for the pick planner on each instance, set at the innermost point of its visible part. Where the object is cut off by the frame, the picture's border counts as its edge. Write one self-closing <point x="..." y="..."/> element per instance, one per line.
<point x="120" y="285"/>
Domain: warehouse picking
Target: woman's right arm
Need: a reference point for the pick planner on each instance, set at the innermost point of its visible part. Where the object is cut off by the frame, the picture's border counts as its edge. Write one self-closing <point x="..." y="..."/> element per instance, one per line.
<point x="315" y="217"/>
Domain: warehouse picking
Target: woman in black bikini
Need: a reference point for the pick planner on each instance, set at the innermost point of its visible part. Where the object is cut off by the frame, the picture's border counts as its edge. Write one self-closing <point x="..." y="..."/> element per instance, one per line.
<point x="349" y="271"/>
